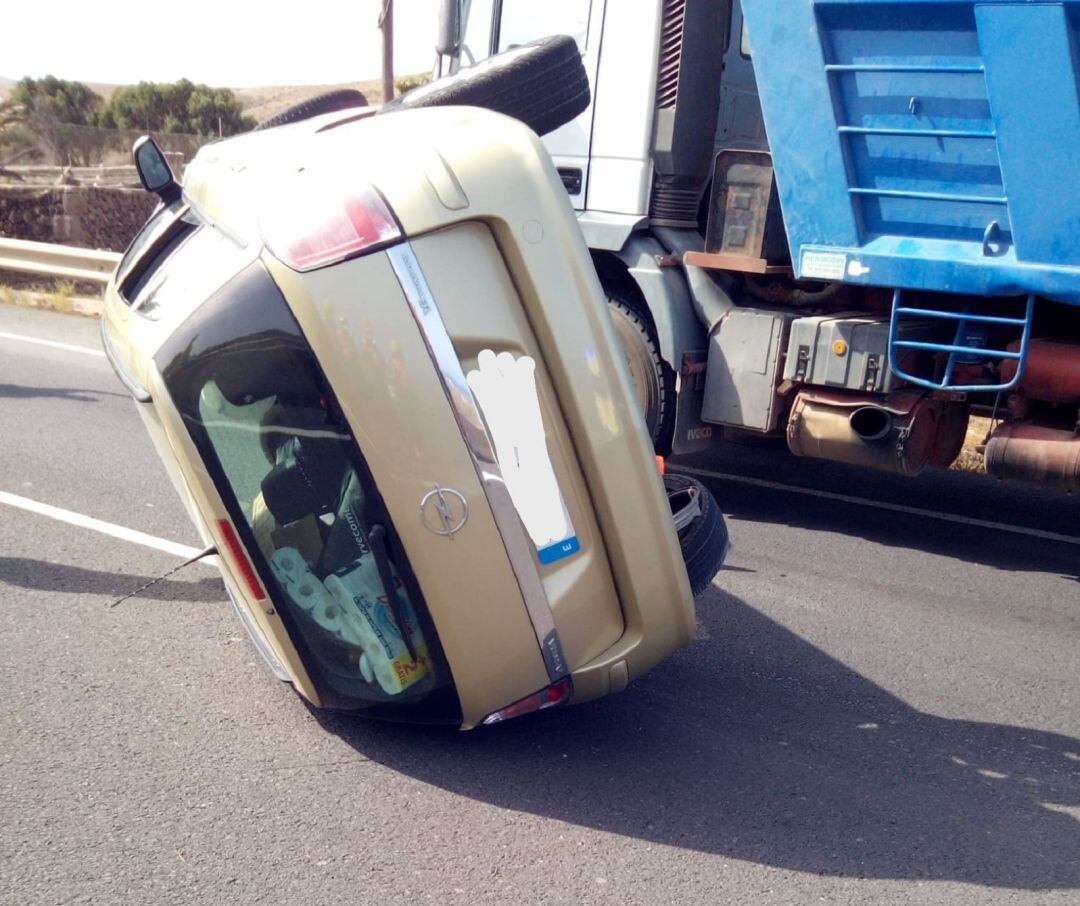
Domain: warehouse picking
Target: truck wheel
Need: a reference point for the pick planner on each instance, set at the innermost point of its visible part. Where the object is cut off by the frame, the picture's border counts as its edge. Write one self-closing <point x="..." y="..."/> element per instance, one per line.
<point x="332" y="101"/>
<point x="543" y="84"/>
<point x="703" y="537"/>
<point x="653" y="383"/>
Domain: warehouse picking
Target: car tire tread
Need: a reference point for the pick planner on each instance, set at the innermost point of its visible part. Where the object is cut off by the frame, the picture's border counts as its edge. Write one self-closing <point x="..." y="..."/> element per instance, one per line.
<point x="704" y="544"/>
<point x="330" y="102"/>
<point x="543" y="84"/>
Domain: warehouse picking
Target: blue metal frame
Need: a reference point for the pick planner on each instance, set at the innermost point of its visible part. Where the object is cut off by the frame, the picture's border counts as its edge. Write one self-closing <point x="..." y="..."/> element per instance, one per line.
<point x="954" y="349"/>
<point x="904" y="133"/>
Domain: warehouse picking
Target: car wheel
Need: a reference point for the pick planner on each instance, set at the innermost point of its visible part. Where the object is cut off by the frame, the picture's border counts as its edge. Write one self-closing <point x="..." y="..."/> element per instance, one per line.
<point x="654" y="383"/>
<point x="702" y="530"/>
<point x="331" y="102"/>
<point x="543" y="84"/>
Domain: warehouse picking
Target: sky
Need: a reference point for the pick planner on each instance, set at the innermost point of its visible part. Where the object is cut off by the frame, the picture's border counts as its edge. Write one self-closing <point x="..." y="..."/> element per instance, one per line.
<point x="233" y="43"/>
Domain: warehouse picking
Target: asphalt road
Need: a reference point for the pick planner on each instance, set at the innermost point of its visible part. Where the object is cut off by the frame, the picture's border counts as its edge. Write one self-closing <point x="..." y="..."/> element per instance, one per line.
<point x="880" y="705"/>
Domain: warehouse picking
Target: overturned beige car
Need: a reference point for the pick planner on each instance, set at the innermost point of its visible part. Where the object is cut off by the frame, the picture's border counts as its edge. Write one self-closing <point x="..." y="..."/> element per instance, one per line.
<point x="374" y="356"/>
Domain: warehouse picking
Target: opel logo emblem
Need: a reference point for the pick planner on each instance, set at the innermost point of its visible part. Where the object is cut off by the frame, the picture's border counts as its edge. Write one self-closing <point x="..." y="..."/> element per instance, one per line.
<point x="444" y="511"/>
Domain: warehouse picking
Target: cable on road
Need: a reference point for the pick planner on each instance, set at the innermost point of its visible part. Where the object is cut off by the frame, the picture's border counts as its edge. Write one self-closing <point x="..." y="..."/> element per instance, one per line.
<point x="210" y="551"/>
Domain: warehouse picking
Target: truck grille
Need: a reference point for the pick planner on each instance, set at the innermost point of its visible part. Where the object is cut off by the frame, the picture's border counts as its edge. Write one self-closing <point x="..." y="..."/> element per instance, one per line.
<point x="673" y="205"/>
<point x="671" y="41"/>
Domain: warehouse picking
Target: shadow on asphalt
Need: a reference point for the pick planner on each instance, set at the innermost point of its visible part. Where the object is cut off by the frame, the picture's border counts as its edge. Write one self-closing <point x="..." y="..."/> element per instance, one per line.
<point x="18" y="392"/>
<point x="965" y="495"/>
<point x="41" y="575"/>
<point x="765" y="749"/>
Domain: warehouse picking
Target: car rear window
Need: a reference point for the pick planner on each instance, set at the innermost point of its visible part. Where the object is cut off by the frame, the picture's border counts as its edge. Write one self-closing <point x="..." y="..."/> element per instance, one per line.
<point x="188" y="261"/>
<point x="300" y="494"/>
<point x="160" y="220"/>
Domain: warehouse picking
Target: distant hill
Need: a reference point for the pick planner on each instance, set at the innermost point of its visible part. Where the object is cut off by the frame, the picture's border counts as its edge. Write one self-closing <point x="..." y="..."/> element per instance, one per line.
<point x="265" y="101"/>
<point x="102" y="89"/>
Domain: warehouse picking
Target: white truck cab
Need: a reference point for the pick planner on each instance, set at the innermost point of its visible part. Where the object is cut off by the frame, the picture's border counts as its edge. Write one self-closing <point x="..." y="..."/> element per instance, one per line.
<point x="604" y="155"/>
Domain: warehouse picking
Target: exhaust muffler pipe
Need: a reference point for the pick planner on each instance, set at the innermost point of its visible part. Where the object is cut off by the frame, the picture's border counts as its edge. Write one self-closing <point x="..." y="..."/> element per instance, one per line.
<point x="871" y="423"/>
<point x="1048" y="457"/>
<point x="903" y="432"/>
<point x="1052" y="372"/>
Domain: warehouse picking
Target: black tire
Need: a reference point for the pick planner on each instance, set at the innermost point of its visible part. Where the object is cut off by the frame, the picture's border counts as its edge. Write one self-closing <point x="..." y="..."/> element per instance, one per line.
<point x="654" y="382"/>
<point x="704" y="543"/>
<point x="332" y="101"/>
<point x="543" y="84"/>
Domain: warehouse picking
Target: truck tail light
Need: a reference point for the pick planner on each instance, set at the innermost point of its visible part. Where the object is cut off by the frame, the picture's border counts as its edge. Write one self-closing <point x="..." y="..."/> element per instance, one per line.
<point x="239" y="560"/>
<point x="315" y="224"/>
<point x="555" y="694"/>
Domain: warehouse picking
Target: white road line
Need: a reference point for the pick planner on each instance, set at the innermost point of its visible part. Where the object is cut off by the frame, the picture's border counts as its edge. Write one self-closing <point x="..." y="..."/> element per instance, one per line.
<point x="98" y="525"/>
<point x="881" y="505"/>
<point x="67" y="347"/>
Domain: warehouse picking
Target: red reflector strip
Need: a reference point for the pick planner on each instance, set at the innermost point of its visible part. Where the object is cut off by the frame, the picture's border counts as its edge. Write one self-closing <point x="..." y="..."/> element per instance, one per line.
<point x="239" y="559"/>
<point x="555" y="694"/>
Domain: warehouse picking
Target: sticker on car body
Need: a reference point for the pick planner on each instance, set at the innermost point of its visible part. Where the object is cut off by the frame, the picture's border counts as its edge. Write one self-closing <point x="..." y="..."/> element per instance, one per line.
<point x="505" y="390"/>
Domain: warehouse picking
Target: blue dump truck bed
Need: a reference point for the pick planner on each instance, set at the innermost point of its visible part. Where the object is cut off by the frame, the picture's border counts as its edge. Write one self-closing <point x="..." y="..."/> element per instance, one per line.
<point x="923" y="144"/>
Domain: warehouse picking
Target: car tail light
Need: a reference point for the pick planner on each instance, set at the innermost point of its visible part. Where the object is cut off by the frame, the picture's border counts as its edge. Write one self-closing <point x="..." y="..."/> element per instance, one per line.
<point x="239" y="559"/>
<point x="315" y="224"/>
<point x="555" y="694"/>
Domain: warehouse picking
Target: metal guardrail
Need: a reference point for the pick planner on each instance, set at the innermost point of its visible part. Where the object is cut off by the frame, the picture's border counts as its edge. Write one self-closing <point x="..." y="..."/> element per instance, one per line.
<point x="36" y="175"/>
<point x="63" y="261"/>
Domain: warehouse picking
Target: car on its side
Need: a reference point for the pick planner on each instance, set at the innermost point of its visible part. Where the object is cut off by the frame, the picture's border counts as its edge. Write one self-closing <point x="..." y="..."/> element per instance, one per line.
<point x="374" y="356"/>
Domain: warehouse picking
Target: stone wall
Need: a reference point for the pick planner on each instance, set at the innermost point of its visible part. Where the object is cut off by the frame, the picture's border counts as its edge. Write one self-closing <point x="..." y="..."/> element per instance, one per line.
<point x="30" y="213"/>
<point x="91" y="217"/>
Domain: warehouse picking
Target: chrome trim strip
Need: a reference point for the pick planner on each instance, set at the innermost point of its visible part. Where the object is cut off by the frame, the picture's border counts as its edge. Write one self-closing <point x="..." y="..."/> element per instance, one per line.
<point x="132" y="386"/>
<point x="519" y="547"/>
<point x="261" y="645"/>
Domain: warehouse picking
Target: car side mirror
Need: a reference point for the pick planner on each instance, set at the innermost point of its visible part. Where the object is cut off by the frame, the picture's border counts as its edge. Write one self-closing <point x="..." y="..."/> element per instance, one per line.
<point x="448" y="41"/>
<point x="154" y="171"/>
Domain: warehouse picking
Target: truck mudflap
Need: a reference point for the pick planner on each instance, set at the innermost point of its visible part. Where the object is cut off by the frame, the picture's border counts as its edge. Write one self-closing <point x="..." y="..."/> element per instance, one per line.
<point x="925" y="145"/>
